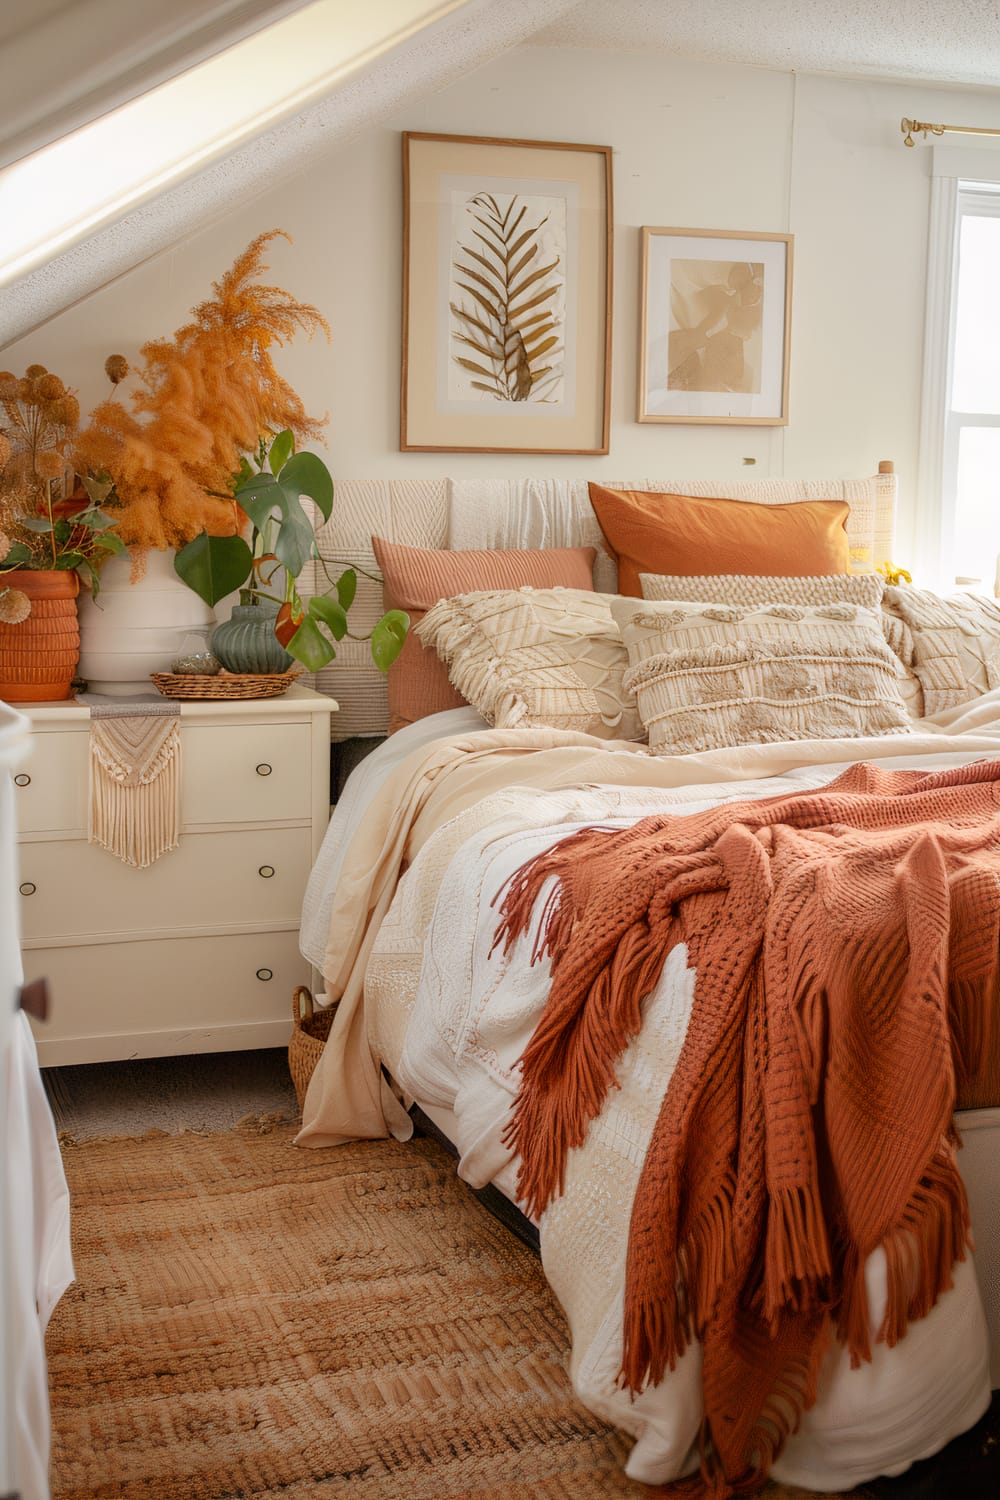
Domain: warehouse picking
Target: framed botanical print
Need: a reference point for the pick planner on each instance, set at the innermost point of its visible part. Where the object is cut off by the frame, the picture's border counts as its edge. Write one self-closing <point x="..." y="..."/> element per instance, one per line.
<point x="506" y="295"/>
<point x="715" y="324"/>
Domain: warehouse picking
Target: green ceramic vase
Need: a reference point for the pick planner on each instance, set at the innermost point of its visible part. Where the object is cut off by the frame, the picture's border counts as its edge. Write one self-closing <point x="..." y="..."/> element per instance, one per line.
<point x="246" y="642"/>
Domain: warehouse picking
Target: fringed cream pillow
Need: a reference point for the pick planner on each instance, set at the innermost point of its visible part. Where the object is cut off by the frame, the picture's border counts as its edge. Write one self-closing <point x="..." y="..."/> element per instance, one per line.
<point x="707" y="676"/>
<point x="866" y="589"/>
<point x="532" y="658"/>
<point x="955" y="643"/>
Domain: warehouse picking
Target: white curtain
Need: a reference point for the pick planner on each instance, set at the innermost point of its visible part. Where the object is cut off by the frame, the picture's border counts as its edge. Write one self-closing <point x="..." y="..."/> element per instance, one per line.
<point x="64" y="63"/>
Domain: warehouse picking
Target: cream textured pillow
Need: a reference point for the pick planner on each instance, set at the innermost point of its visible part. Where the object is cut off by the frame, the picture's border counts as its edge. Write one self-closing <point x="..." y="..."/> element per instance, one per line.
<point x="708" y="676"/>
<point x="865" y="589"/>
<point x="955" y="643"/>
<point x="536" y="657"/>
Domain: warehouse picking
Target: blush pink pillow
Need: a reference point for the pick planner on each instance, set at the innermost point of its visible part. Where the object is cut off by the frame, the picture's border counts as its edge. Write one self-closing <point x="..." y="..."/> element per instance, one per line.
<point x="415" y="578"/>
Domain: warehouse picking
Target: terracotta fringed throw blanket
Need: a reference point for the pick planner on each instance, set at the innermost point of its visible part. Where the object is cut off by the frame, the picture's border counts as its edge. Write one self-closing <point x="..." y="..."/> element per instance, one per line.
<point x="846" y="948"/>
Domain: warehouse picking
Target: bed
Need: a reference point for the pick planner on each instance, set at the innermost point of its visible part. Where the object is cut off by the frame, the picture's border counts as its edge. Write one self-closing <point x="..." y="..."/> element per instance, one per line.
<point x="447" y="824"/>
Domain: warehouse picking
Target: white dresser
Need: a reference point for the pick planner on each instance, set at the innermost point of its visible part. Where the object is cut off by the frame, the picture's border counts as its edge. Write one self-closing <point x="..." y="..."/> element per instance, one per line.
<point x="199" y="951"/>
<point x="35" y="1260"/>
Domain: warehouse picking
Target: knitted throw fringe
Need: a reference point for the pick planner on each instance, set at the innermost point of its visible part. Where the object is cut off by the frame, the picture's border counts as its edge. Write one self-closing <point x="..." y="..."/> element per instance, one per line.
<point x="135" y="778"/>
<point x="845" y="943"/>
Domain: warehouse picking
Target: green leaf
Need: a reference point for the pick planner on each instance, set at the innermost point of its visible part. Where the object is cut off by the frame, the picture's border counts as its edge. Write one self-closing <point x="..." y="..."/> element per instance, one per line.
<point x="281" y="450"/>
<point x="97" y="489"/>
<point x="96" y="519"/>
<point x="19" y="553"/>
<point x="294" y="541"/>
<point x="35" y="523"/>
<point x="214" y="566"/>
<point x="388" y="637"/>
<point x="329" y="613"/>
<point x="107" y="541"/>
<point x="310" y="646"/>
<point x="347" y="587"/>
<point x="68" y="561"/>
<point x="90" y="575"/>
<point x="307" y="474"/>
<point x="258" y="494"/>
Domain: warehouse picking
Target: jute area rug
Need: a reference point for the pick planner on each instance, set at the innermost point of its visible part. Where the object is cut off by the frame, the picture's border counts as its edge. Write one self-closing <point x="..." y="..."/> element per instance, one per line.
<point x="251" y="1319"/>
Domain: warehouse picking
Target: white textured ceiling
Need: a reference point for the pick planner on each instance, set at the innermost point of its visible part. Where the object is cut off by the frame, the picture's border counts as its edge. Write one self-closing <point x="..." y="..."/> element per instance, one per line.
<point x="948" y="41"/>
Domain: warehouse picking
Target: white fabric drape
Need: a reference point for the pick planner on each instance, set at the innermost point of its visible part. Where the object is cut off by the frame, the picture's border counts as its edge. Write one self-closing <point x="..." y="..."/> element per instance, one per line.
<point x="65" y="64"/>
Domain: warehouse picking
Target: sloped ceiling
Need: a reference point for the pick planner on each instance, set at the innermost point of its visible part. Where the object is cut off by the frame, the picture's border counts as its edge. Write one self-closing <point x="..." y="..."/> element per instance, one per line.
<point x="442" y="52"/>
<point x="947" y="41"/>
<point x="65" y="63"/>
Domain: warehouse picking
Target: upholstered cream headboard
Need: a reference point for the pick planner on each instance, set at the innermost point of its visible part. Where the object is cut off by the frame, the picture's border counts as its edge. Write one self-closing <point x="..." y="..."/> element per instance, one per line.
<point x="479" y="513"/>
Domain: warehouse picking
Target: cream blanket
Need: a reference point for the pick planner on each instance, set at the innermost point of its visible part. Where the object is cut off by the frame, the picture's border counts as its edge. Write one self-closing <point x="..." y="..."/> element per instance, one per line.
<point x="452" y="1019"/>
<point x="441" y="781"/>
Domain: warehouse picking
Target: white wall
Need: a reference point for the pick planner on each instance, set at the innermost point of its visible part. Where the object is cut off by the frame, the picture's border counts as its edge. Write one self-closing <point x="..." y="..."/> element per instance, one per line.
<point x="696" y="145"/>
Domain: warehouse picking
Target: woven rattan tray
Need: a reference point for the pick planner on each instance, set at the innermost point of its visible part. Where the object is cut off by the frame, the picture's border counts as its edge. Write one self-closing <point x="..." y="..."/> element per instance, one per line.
<point x="224" y="684"/>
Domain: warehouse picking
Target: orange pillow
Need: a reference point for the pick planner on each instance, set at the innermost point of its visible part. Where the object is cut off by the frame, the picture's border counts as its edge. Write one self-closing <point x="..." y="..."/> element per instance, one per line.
<point x="689" y="535"/>
<point x="415" y="578"/>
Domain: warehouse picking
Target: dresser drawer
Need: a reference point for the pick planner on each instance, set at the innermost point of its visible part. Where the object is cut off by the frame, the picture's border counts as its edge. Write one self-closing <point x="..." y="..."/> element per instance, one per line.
<point x="51" y="785"/>
<point x="211" y="880"/>
<point x="243" y="773"/>
<point x="166" y="996"/>
<point x="231" y="773"/>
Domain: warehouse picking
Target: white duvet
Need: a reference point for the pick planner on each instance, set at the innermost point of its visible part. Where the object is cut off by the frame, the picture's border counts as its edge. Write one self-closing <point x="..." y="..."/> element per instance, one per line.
<point x="466" y="1025"/>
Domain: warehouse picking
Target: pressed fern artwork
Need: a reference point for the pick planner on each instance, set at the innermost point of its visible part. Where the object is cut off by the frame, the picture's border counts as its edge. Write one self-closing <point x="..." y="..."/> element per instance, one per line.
<point x="508" y="274"/>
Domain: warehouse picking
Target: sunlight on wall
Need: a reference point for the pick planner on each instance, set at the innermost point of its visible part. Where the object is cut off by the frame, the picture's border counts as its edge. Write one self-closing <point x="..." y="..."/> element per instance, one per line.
<point x="58" y="195"/>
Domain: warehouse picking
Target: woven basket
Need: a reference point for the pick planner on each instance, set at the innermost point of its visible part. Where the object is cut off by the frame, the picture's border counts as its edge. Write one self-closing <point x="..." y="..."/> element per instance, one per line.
<point x="311" y="1027"/>
<point x="224" y="685"/>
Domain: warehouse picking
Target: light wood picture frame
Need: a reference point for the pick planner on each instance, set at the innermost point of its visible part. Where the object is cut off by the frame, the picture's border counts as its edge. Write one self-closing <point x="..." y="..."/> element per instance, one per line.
<point x="507" y="264"/>
<point x="714" y="326"/>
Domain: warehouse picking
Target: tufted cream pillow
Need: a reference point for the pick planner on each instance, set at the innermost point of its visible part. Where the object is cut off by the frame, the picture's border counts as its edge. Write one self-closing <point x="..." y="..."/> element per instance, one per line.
<point x="865" y="589"/>
<point x="536" y="657"/>
<point x="744" y="588"/>
<point x="955" y="643"/>
<point x="707" y="676"/>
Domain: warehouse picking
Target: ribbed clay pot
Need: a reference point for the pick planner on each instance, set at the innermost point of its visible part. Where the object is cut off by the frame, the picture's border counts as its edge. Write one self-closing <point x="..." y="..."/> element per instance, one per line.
<point x="38" y="657"/>
<point x="246" y="642"/>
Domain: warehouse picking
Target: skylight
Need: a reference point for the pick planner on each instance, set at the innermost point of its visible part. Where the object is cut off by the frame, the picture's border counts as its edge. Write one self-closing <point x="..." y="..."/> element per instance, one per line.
<point x="62" y="193"/>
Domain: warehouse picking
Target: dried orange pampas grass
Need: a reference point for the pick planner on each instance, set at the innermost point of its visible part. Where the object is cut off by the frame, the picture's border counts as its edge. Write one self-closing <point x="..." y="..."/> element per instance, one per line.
<point x="205" y="399"/>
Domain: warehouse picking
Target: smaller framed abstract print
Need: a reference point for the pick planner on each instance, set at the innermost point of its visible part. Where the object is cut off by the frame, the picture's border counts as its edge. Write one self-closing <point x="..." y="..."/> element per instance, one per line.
<point x="506" y="295"/>
<point x="715" y="326"/>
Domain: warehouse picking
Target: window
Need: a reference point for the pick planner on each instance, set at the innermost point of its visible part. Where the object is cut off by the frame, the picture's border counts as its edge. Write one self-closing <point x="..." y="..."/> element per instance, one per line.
<point x="959" y="505"/>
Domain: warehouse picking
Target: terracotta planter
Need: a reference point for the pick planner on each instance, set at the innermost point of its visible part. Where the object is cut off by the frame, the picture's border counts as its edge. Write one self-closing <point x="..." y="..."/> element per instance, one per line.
<point x="38" y="657"/>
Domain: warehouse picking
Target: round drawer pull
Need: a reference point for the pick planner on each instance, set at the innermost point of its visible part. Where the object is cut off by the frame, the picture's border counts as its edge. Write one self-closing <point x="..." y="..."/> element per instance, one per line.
<point x="263" y="769"/>
<point x="27" y="888"/>
<point x="22" y="779"/>
<point x="266" y="871"/>
<point x="265" y="974"/>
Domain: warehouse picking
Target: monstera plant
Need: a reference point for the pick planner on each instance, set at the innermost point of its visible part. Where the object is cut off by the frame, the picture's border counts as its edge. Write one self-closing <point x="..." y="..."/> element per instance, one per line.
<point x="266" y="568"/>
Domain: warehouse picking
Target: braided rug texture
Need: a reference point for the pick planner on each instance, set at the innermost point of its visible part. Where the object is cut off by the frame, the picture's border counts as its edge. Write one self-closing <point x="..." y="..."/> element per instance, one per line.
<point x="254" y="1320"/>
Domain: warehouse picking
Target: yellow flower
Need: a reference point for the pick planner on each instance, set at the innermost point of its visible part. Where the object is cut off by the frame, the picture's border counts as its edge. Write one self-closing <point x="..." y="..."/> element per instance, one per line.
<point x="15" y="606"/>
<point x="893" y="575"/>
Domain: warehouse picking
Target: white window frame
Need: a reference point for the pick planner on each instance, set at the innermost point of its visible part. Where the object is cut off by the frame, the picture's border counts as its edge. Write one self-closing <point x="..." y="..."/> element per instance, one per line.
<point x="961" y="177"/>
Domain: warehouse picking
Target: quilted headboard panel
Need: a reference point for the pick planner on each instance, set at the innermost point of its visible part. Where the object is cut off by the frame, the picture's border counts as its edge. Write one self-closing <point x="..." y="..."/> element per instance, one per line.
<point x="478" y="513"/>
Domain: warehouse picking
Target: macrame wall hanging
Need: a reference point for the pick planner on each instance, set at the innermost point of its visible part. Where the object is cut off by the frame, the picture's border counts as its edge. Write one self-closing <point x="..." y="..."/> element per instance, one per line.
<point x="135" y="780"/>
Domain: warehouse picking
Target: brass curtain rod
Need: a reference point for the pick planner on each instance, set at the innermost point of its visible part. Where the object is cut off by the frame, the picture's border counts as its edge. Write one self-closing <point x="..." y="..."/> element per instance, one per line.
<point x="920" y="127"/>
